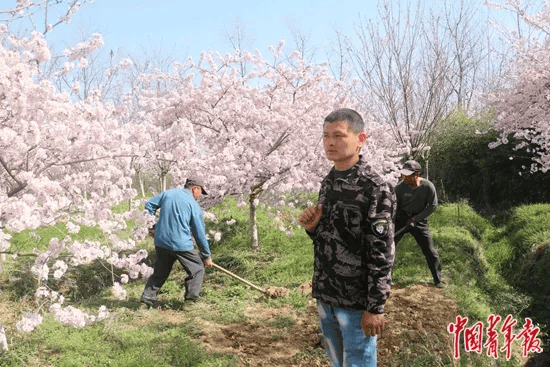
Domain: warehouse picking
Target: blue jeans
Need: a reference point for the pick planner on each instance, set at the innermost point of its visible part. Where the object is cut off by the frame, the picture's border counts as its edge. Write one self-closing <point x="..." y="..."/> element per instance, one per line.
<point x="345" y="341"/>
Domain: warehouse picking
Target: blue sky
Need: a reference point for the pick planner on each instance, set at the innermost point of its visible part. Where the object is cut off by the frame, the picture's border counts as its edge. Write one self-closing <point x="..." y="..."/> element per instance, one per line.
<point x="186" y="28"/>
<point x="190" y="27"/>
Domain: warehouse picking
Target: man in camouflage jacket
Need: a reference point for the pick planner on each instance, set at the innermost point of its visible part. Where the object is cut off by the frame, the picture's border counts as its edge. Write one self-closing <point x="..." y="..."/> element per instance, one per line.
<point x="354" y="249"/>
<point x="352" y="231"/>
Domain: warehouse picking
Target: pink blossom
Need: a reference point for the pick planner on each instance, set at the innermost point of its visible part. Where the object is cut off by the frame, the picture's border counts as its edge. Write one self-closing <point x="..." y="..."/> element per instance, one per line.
<point x="4" y="243"/>
<point x="29" y="322"/>
<point x="69" y="315"/>
<point x="102" y="313"/>
<point x="118" y="292"/>
<point x="41" y="271"/>
<point x="140" y="234"/>
<point x="83" y="63"/>
<point x="125" y="64"/>
<point x="72" y="228"/>
<point x="210" y="216"/>
<point x="42" y="292"/>
<point x="75" y="87"/>
<point x="146" y="271"/>
<point x="124" y="278"/>
<point x="133" y="272"/>
<point x="3" y="340"/>
<point x="60" y="267"/>
<point x="85" y="48"/>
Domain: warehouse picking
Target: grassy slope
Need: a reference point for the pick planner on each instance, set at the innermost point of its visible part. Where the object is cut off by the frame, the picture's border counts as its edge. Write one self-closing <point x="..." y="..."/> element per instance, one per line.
<point x="471" y="254"/>
<point x="472" y="250"/>
<point x="528" y="264"/>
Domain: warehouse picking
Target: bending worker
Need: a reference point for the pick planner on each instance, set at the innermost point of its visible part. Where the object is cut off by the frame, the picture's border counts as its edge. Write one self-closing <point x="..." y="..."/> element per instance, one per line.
<point x="416" y="200"/>
<point x="180" y="220"/>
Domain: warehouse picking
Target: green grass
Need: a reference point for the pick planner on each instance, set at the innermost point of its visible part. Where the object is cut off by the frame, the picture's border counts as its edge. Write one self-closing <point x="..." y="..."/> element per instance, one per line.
<point x="474" y="254"/>
<point x="120" y="342"/>
<point x="527" y="267"/>
<point x="25" y="241"/>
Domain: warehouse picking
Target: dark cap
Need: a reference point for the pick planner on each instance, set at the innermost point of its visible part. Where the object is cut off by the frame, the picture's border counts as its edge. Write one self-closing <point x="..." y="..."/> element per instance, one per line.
<point x="410" y="167"/>
<point x="194" y="181"/>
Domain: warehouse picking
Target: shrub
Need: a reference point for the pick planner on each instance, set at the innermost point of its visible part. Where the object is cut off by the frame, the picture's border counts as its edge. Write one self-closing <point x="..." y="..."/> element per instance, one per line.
<point x="461" y="165"/>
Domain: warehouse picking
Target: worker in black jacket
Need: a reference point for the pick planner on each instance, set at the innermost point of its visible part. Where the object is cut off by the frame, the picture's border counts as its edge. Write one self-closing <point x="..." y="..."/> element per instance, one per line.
<point x="416" y="200"/>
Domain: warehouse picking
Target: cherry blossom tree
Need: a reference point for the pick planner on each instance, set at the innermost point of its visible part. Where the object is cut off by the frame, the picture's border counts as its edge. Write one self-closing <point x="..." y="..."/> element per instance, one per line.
<point x="522" y="107"/>
<point x="63" y="161"/>
<point x="68" y="159"/>
<point x="38" y="14"/>
<point x="255" y="132"/>
<point x="51" y="147"/>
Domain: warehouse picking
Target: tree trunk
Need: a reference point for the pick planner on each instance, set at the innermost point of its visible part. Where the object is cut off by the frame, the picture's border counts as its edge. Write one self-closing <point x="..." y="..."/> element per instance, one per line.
<point x="140" y="179"/>
<point x="255" y="193"/>
<point x="162" y="182"/>
<point x="253" y="225"/>
<point x="129" y="200"/>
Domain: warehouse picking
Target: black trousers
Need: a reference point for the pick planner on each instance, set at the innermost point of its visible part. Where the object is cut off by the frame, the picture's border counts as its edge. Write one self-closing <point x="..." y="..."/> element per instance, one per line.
<point x="421" y="233"/>
<point x="191" y="263"/>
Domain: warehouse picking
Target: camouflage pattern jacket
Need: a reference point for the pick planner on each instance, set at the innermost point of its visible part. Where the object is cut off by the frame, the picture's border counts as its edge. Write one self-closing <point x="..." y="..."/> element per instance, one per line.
<point x="353" y="242"/>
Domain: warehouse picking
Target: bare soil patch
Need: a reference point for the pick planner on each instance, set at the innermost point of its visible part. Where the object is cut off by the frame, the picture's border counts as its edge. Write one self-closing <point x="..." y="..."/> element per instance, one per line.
<point x="284" y="337"/>
<point x="260" y="341"/>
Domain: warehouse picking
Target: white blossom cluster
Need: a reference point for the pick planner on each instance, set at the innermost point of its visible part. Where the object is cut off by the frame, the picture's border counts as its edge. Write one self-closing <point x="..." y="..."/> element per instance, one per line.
<point x="83" y="49"/>
<point x="118" y="292"/>
<point x="211" y="217"/>
<point x="215" y="235"/>
<point x="3" y="339"/>
<point x="29" y="322"/>
<point x="72" y="316"/>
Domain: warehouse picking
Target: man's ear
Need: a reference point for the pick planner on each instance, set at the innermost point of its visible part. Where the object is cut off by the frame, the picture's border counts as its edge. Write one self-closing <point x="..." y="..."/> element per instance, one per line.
<point x="362" y="137"/>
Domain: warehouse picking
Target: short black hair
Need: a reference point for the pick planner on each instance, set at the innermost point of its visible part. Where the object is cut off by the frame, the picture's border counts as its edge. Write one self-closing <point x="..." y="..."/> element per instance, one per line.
<point x="352" y="117"/>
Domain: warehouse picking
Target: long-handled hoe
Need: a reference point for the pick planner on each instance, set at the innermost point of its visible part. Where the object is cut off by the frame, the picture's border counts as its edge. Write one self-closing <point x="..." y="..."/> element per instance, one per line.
<point x="271" y="292"/>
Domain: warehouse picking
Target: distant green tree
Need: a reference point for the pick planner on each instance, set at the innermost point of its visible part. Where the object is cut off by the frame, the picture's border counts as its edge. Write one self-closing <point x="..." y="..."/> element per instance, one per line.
<point x="462" y="166"/>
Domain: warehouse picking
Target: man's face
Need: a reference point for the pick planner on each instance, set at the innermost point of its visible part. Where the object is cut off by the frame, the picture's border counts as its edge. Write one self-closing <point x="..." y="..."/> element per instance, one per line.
<point x="341" y="144"/>
<point x="196" y="191"/>
<point x="410" y="180"/>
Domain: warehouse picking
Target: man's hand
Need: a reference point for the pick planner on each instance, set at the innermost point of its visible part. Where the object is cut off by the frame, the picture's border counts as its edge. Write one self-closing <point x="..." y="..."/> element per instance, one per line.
<point x="310" y="217"/>
<point x="372" y="324"/>
<point x="208" y="262"/>
<point x="411" y="223"/>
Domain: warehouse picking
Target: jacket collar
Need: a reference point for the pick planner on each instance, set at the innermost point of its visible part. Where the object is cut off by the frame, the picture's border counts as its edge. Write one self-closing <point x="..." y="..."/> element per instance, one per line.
<point x="351" y="173"/>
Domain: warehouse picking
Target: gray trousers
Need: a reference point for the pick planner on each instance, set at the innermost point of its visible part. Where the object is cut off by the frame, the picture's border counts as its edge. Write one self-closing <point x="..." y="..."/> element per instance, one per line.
<point x="191" y="263"/>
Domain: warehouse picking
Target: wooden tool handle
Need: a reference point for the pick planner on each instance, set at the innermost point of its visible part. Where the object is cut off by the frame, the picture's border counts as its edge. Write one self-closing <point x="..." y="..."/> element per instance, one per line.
<point x="239" y="278"/>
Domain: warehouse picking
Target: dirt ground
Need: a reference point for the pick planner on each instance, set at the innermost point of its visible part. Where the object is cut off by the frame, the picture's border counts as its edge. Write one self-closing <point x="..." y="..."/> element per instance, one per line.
<point x="266" y="339"/>
<point x="417" y="313"/>
<point x="408" y="310"/>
